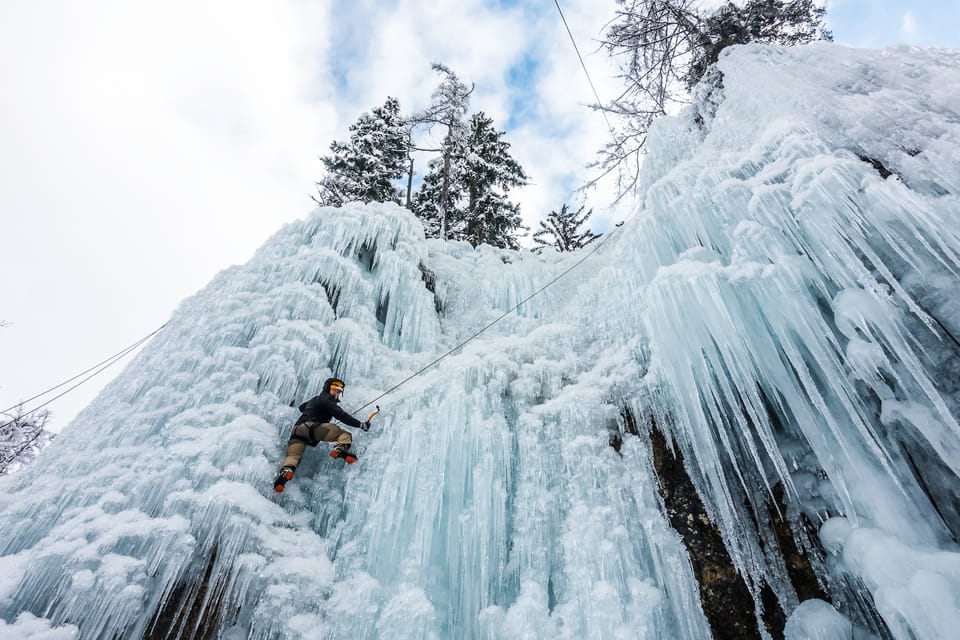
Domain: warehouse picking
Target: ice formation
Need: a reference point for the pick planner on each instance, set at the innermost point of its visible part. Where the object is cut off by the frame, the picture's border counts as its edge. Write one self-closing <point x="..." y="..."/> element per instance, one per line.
<point x="785" y="306"/>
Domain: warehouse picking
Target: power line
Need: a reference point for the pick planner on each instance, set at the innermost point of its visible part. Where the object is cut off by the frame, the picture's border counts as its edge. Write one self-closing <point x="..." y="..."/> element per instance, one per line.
<point x="502" y="316"/>
<point x="104" y="364"/>
<point x="69" y="380"/>
<point x="579" y="262"/>
<point x="586" y="73"/>
<point x="96" y="369"/>
<point x="112" y="359"/>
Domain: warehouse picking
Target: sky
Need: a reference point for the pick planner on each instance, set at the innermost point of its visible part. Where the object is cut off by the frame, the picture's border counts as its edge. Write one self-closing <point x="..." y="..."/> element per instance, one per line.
<point x="148" y="146"/>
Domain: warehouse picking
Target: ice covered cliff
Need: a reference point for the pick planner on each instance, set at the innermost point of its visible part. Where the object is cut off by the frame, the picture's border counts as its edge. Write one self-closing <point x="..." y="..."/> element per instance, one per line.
<point x="782" y="313"/>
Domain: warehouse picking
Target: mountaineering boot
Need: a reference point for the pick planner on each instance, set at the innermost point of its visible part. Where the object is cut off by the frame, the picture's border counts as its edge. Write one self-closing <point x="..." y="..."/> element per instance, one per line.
<point x="343" y="451"/>
<point x="286" y="473"/>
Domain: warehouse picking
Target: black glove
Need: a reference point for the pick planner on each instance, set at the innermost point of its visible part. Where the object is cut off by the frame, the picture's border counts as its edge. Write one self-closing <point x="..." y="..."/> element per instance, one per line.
<point x="365" y="426"/>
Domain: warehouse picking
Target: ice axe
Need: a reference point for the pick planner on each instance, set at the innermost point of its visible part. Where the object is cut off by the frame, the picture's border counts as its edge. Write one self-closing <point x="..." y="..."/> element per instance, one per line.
<point x="370" y="417"/>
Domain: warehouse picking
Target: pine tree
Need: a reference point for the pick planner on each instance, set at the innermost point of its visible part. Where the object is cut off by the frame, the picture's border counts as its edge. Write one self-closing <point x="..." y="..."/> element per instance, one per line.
<point x="365" y="167"/>
<point x="562" y="230"/>
<point x="489" y="172"/>
<point x="436" y="201"/>
<point x="463" y="194"/>
<point x="22" y="436"/>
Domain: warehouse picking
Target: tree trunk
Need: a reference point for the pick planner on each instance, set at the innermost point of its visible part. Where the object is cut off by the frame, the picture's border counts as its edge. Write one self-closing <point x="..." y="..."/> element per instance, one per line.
<point x="410" y="182"/>
<point x="445" y="190"/>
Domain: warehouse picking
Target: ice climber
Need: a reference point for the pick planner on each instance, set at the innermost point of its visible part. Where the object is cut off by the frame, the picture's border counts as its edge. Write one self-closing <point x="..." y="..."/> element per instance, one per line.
<point x="314" y="426"/>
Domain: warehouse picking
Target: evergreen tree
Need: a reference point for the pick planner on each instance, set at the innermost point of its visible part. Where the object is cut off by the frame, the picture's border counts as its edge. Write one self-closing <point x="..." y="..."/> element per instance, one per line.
<point x="441" y="184"/>
<point x="475" y="176"/>
<point x="365" y="167"/>
<point x="463" y="194"/>
<point x="562" y="230"/>
<point x="435" y="202"/>
<point x="22" y="436"/>
<point x="488" y="173"/>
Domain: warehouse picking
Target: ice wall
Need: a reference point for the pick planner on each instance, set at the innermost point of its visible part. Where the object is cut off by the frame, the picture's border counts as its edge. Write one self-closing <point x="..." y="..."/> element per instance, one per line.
<point x="798" y="250"/>
<point x="783" y="306"/>
<point x="486" y="498"/>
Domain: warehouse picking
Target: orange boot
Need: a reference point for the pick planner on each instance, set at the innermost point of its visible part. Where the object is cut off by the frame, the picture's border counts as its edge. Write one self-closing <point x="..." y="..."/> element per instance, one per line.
<point x="343" y="451"/>
<point x="286" y="474"/>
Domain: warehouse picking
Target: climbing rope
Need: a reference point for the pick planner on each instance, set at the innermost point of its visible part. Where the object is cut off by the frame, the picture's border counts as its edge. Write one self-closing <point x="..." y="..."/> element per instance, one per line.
<point x="501" y="317"/>
<point x="575" y="265"/>
<point x="596" y="95"/>
<point x="103" y="365"/>
<point x="97" y="369"/>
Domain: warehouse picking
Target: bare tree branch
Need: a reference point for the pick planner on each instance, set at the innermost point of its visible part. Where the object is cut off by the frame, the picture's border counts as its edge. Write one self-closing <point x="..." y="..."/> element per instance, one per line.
<point x="665" y="47"/>
<point x="22" y="436"/>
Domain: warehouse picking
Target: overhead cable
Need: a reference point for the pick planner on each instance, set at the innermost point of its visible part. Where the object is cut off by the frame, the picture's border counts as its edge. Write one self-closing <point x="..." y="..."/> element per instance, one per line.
<point x="502" y="316"/>
<point x="595" y="249"/>
<point x="596" y="95"/>
<point x="96" y="369"/>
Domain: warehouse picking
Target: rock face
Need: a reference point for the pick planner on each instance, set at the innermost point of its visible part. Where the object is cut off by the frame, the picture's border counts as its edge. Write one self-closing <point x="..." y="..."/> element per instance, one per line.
<point x="726" y="601"/>
<point x="778" y="312"/>
<point x="202" y="620"/>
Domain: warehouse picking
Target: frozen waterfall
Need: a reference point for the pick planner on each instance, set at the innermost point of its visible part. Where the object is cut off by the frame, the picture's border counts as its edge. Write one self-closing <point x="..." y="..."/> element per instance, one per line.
<point x="783" y="312"/>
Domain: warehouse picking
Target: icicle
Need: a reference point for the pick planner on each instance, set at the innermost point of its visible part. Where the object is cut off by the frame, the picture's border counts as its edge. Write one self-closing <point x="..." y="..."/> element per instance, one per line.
<point x="783" y="306"/>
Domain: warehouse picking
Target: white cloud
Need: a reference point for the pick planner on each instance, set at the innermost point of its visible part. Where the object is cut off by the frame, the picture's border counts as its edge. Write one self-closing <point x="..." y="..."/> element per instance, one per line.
<point x="147" y="146"/>
<point x="908" y="27"/>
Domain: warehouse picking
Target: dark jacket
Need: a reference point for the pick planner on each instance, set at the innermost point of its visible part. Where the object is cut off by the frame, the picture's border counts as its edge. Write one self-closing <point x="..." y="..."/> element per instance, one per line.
<point x="323" y="408"/>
